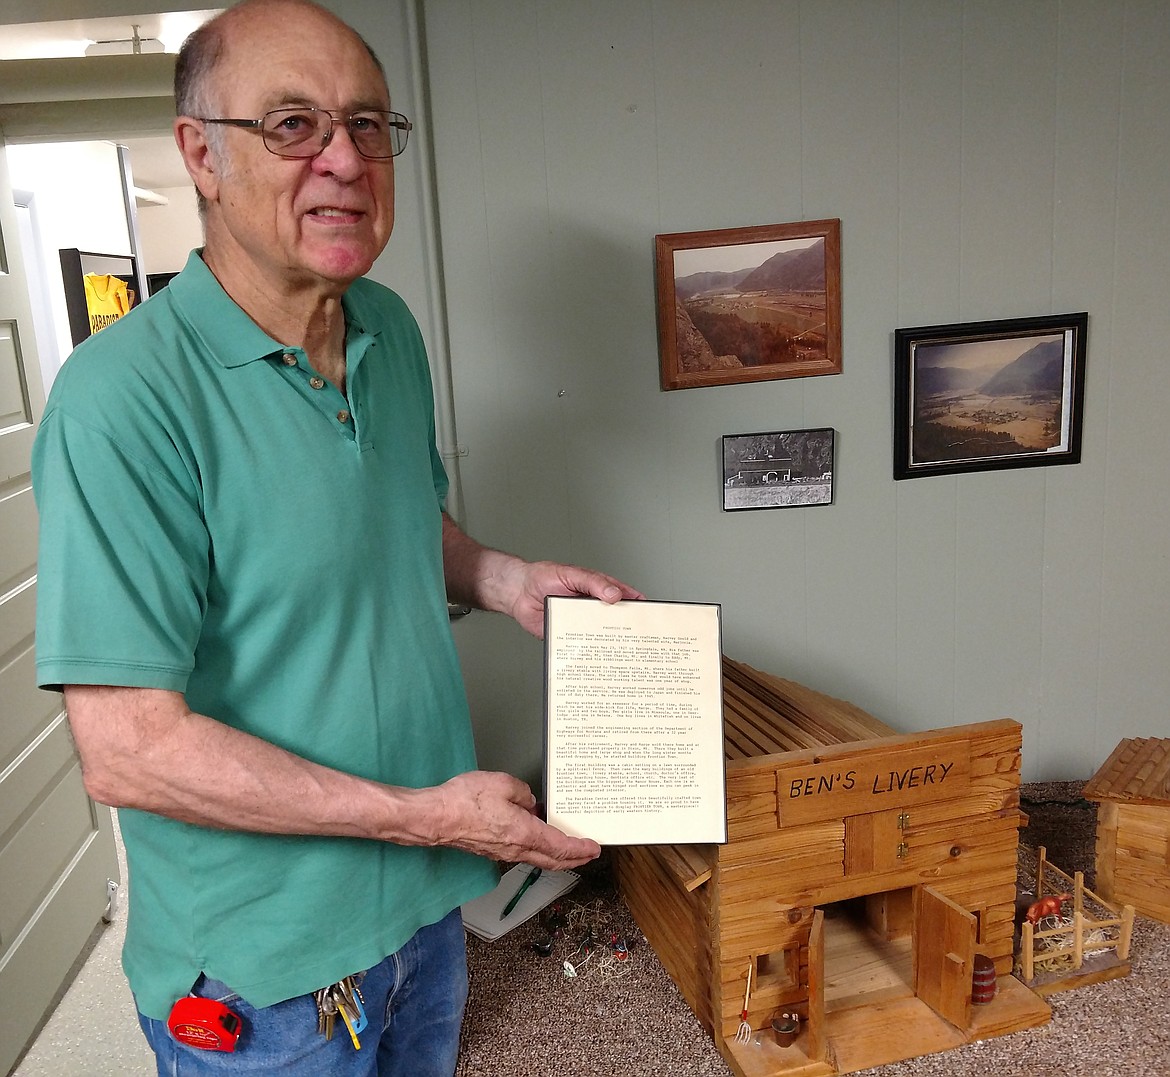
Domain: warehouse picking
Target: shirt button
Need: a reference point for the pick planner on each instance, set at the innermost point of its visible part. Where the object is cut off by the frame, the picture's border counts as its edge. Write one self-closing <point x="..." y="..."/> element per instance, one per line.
<point x="316" y="382"/>
<point x="288" y="360"/>
<point x="343" y="416"/>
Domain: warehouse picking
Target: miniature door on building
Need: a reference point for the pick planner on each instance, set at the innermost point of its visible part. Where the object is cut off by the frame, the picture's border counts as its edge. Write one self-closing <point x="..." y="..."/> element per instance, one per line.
<point x="944" y="955"/>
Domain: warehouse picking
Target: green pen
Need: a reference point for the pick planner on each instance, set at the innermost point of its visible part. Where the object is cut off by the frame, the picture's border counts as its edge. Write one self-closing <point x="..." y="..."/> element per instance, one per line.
<point x="529" y="879"/>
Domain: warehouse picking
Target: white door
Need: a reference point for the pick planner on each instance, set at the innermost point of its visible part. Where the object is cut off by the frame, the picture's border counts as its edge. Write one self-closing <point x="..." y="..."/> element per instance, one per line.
<point x="56" y="845"/>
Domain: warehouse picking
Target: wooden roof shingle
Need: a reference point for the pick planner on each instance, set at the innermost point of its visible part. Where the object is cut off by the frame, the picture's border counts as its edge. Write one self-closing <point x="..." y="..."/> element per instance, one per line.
<point x="1138" y="770"/>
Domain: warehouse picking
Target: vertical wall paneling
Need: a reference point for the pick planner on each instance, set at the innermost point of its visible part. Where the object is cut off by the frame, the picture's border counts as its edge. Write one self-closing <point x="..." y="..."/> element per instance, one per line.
<point x="849" y="111"/>
<point x="727" y="92"/>
<point x="488" y="142"/>
<point x="1008" y="152"/>
<point x="930" y="74"/>
<point x="988" y="160"/>
<point x="1134" y="673"/>
<point x="727" y="95"/>
<point x="411" y="262"/>
<point x="600" y="177"/>
<point x="1085" y="185"/>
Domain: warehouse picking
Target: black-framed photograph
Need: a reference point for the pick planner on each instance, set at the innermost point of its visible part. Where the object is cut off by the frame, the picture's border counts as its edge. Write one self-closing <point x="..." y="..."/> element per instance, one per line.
<point x="778" y="469"/>
<point x="749" y="304"/>
<point x="984" y="396"/>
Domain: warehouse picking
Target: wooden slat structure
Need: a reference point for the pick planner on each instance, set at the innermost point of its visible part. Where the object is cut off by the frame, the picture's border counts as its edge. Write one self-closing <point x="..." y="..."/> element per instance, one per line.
<point x="1089" y="947"/>
<point x="862" y="872"/>
<point x="1132" y="792"/>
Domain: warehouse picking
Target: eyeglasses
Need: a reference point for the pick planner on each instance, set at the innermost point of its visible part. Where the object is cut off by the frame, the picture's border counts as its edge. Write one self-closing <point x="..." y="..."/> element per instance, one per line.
<point x="305" y="132"/>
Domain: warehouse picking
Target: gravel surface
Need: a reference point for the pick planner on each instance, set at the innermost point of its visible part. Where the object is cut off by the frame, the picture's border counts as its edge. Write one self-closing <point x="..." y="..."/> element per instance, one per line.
<point x="625" y="1018"/>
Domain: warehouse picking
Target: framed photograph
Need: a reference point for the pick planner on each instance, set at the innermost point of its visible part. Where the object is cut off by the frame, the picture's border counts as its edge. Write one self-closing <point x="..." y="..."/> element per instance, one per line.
<point x="749" y="304"/>
<point x="989" y="395"/>
<point x="778" y="470"/>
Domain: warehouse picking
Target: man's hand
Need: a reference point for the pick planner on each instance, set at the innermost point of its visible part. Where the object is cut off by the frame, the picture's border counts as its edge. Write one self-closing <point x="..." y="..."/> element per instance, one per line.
<point x="493" y="815"/>
<point x="532" y="581"/>
<point x="491" y="580"/>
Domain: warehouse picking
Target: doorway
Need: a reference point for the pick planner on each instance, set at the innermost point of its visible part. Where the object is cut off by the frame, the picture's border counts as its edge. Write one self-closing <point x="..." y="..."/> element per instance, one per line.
<point x="57" y="854"/>
<point x="868" y="950"/>
<point x="897" y="969"/>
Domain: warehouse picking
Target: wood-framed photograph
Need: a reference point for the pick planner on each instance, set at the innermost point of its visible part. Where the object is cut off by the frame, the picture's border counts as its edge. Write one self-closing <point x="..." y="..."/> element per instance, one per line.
<point x="749" y="304"/>
<point x="984" y="396"/>
<point x="778" y="469"/>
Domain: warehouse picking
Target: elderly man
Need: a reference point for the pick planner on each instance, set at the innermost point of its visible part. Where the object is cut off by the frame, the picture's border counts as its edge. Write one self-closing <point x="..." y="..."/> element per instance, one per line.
<point x="245" y="570"/>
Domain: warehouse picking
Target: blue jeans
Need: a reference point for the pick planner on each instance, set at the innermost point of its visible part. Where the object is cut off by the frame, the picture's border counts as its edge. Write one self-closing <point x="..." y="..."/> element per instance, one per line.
<point x="414" y="1001"/>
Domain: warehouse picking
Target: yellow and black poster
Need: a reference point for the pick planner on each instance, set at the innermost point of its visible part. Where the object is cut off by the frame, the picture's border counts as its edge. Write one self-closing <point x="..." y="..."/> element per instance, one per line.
<point x="106" y="299"/>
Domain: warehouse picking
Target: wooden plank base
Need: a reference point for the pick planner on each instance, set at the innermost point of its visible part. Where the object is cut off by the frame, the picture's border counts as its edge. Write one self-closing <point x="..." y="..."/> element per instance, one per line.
<point x="1093" y="971"/>
<point x="872" y="1017"/>
<point x="1014" y="1008"/>
<point x="883" y="1032"/>
<point x="891" y="1031"/>
<point x="860" y="967"/>
<point x="762" y="1057"/>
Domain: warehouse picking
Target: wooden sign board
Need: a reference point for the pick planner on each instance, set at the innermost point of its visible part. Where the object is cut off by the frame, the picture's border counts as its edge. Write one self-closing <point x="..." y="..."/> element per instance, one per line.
<point x="812" y="791"/>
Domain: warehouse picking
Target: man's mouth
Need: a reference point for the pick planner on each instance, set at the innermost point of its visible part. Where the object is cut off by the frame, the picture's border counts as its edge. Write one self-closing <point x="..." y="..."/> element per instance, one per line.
<point x="333" y="211"/>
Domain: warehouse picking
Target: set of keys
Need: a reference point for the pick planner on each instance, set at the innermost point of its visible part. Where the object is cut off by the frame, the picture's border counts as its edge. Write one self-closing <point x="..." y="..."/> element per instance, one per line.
<point x="342" y="999"/>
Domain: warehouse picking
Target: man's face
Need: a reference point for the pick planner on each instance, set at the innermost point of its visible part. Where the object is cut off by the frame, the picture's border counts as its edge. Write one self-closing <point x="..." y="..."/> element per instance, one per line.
<point x="299" y="221"/>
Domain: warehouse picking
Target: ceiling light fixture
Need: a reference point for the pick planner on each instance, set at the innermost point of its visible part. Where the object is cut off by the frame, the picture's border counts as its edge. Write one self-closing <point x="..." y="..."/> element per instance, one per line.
<point x="125" y="46"/>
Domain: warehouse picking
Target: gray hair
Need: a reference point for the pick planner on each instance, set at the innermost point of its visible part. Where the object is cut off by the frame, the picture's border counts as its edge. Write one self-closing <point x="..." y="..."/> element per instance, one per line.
<point x="194" y="68"/>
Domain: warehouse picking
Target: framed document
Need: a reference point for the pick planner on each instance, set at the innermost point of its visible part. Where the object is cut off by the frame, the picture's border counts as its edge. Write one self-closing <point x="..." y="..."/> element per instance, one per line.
<point x="634" y="721"/>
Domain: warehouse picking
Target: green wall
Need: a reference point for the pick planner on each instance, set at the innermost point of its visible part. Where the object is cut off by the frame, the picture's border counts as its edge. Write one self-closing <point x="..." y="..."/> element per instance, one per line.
<point x="987" y="160"/>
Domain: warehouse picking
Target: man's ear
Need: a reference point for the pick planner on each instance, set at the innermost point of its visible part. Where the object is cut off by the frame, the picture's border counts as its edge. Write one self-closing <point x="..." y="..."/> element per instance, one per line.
<point x="197" y="156"/>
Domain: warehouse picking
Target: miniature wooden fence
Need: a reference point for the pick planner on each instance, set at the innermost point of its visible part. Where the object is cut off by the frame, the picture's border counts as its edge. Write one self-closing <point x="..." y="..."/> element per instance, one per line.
<point x="1086" y="933"/>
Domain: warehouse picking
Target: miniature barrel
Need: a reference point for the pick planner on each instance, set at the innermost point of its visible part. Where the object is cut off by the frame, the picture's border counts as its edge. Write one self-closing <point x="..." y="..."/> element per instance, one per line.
<point x="785" y="1028"/>
<point x="983" y="980"/>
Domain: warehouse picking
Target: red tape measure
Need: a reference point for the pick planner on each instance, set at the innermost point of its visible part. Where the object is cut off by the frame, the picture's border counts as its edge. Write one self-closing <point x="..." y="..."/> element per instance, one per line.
<point x="204" y="1023"/>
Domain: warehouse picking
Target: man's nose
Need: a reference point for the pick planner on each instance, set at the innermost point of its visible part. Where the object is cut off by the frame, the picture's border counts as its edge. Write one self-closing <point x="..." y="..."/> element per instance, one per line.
<point x="339" y="155"/>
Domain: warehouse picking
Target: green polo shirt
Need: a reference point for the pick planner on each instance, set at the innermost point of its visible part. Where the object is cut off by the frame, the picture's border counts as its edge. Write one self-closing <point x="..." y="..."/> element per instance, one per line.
<point x="219" y="521"/>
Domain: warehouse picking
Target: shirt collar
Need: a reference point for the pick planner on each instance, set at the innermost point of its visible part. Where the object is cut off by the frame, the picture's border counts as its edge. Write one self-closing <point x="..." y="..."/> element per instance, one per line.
<point x="230" y="336"/>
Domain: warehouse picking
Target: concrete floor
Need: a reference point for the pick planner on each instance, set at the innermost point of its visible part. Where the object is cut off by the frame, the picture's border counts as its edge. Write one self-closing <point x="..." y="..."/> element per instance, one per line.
<point x="94" y="1030"/>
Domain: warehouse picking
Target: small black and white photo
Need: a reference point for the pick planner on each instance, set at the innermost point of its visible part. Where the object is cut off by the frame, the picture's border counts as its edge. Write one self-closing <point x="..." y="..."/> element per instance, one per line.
<point x="778" y="469"/>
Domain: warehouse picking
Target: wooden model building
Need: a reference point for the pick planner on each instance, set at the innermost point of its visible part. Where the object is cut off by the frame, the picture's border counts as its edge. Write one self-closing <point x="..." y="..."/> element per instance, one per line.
<point x="1132" y="791"/>
<point x="865" y="877"/>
